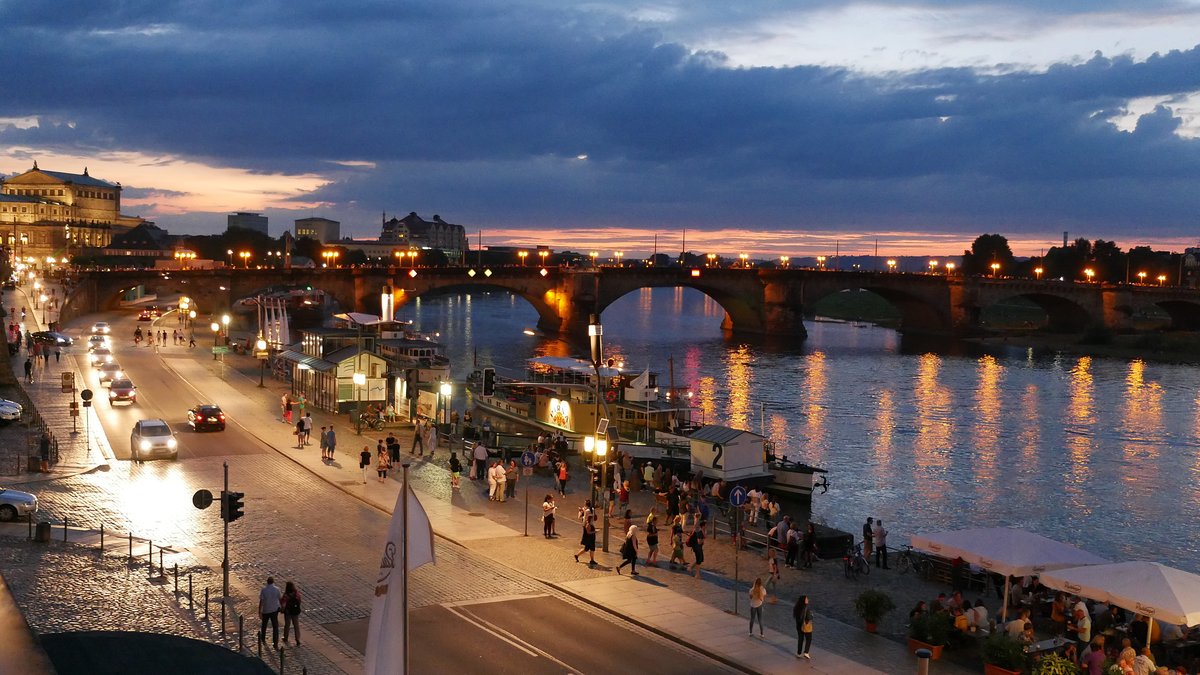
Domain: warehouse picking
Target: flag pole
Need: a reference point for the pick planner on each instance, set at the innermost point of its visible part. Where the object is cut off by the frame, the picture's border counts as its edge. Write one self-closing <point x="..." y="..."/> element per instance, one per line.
<point x="404" y="562"/>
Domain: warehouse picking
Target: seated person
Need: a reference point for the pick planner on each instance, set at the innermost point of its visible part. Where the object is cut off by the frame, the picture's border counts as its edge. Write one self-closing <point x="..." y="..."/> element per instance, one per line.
<point x="1079" y="627"/>
<point x="917" y="611"/>
<point x="956" y="601"/>
<point x="1027" y="635"/>
<point x="981" y="614"/>
<point x="1017" y="626"/>
<point x="1137" y="631"/>
<point x="961" y="623"/>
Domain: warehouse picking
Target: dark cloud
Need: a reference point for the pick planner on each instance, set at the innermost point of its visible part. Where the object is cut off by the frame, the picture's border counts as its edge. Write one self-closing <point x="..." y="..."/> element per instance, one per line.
<point x="477" y="112"/>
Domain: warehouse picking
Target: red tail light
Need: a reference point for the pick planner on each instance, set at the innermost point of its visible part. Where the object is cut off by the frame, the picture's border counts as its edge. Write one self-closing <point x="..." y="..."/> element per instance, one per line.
<point x="199" y="418"/>
<point x="221" y="417"/>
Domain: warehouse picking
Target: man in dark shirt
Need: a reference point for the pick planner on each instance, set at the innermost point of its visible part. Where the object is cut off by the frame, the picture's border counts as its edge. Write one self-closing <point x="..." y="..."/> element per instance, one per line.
<point x="867" y="534"/>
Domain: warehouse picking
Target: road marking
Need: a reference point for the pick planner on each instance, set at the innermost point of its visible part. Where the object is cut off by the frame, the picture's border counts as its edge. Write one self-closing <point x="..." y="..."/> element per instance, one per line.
<point x="500" y="598"/>
<point x="508" y="637"/>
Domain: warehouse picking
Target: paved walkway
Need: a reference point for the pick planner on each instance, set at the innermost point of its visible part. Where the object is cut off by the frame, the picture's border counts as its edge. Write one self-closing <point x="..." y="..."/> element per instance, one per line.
<point x="670" y="603"/>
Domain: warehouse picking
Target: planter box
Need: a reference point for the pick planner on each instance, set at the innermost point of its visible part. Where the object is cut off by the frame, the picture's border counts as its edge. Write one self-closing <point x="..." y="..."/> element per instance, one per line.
<point x="990" y="669"/>
<point x="914" y="645"/>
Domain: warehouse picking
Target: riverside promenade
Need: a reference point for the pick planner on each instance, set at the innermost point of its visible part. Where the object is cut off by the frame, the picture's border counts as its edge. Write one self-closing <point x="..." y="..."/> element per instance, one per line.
<point x="670" y="604"/>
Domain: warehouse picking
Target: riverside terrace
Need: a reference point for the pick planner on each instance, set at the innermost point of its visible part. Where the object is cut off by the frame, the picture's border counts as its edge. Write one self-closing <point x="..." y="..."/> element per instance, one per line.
<point x="756" y="301"/>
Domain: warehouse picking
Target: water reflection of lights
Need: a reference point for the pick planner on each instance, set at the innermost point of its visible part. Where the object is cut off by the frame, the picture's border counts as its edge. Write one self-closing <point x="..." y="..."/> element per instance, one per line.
<point x="987" y="424"/>
<point x="1081" y="417"/>
<point x="815" y="388"/>
<point x="1029" y="440"/>
<point x="1143" y="419"/>
<point x="738" y="379"/>
<point x="885" y="422"/>
<point x="934" y="431"/>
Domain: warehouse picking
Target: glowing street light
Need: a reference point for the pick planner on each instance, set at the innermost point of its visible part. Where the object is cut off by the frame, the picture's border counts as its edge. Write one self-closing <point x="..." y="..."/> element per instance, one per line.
<point x="933" y="264"/>
<point x="950" y="268"/>
<point x="216" y="329"/>
<point x="1089" y="273"/>
<point x="784" y="260"/>
<point x="744" y="257"/>
<point x="712" y="259"/>
<point x="245" y="256"/>
<point x="261" y="346"/>
<point x="593" y="255"/>
<point x="412" y="257"/>
<point x="330" y="258"/>
<point x="617" y="255"/>
<point x="995" y="269"/>
<point x="1162" y="279"/>
<point x="891" y="263"/>
<point x="542" y="254"/>
<point x="1037" y="272"/>
<point x="522" y="255"/>
<point x="821" y="261"/>
<point x="1141" y="277"/>
<point x="230" y="254"/>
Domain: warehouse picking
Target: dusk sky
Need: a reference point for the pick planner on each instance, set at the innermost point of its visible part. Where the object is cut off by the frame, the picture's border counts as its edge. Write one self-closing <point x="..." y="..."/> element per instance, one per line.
<point x="770" y="128"/>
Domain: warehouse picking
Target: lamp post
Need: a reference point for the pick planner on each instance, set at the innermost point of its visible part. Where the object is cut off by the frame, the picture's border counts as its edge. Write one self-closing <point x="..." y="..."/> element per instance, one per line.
<point x="1089" y="273"/>
<point x="712" y="261"/>
<point x="891" y="264"/>
<point x="445" y="391"/>
<point x="190" y="322"/>
<point x="522" y="255"/>
<point x="933" y="265"/>
<point x="37" y="287"/>
<point x="1037" y="272"/>
<point x="821" y="261"/>
<point x="618" y="255"/>
<point x="542" y="254"/>
<point x="1162" y="279"/>
<point x="1141" y="277"/>
<point x="593" y="255"/>
<point x="596" y="342"/>
<point x="261" y="346"/>
<point x="744" y="257"/>
<point x="784" y="260"/>
<point x="245" y="256"/>
<point x="216" y="329"/>
<point x="43" y="298"/>
<point x="995" y="269"/>
<point x="359" y="380"/>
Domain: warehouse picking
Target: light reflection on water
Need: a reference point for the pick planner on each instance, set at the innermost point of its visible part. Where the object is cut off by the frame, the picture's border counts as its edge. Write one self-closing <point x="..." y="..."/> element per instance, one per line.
<point x="1098" y="452"/>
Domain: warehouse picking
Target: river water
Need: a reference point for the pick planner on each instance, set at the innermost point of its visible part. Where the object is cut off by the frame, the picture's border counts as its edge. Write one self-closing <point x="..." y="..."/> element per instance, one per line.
<point x="1101" y="453"/>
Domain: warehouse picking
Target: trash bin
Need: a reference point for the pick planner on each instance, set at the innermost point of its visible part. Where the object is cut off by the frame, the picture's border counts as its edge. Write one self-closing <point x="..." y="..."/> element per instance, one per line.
<point x="41" y="533"/>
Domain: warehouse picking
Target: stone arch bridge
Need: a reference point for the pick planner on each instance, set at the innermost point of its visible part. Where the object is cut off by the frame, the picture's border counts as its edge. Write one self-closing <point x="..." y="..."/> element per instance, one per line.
<point x="756" y="301"/>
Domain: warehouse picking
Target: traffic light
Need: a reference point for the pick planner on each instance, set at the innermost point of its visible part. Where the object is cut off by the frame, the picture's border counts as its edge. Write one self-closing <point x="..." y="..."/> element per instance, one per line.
<point x="232" y="506"/>
<point x="489" y="381"/>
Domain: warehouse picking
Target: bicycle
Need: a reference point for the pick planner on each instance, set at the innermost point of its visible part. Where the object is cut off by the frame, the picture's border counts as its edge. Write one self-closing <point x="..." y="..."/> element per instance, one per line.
<point x="910" y="559"/>
<point x="854" y="563"/>
<point x="373" y="422"/>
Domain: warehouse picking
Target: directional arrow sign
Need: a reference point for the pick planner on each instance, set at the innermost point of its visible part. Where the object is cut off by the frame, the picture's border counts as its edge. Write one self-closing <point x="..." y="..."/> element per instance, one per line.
<point x="737" y="496"/>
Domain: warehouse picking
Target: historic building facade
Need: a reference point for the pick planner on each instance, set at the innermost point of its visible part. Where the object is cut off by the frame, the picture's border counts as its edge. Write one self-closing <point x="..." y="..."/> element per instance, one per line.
<point x="413" y="231"/>
<point x="53" y="215"/>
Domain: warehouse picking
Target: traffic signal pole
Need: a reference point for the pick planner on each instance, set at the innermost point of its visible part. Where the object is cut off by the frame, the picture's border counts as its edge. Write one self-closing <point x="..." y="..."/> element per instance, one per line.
<point x="225" y="562"/>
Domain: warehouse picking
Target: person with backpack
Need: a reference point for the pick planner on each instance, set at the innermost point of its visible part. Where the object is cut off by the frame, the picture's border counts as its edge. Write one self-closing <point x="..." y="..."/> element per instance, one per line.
<point x="291" y="611"/>
<point x="696" y="543"/>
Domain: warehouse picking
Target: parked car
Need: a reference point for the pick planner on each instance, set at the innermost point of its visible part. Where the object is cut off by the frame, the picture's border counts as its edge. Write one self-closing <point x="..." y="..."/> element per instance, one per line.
<point x="152" y="437"/>
<point x="10" y="411"/>
<point x="101" y="328"/>
<point x="206" y="416"/>
<point x="15" y="504"/>
<point x="110" y="371"/>
<point x="52" y="337"/>
<point x="122" y="389"/>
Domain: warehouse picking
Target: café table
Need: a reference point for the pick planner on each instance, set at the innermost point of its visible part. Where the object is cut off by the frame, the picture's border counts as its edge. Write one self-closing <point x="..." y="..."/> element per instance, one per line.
<point x="1048" y="645"/>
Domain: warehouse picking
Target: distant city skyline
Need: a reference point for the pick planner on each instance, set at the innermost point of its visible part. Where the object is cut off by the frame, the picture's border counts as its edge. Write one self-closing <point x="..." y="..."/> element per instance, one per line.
<point x="772" y="130"/>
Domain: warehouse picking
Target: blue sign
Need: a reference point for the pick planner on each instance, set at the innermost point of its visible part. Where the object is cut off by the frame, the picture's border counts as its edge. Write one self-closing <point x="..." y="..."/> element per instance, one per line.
<point x="737" y="496"/>
<point x="527" y="458"/>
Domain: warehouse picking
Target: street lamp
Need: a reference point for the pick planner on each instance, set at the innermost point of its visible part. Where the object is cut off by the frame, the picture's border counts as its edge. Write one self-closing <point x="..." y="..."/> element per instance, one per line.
<point x="37" y="287"/>
<point x="1162" y="279"/>
<point x="950" y="268"/>
<point x="359" y="380"/>
<point x="617" y="255"/>
<point x="712" y="262"/>
<point x="412" y="258"/>
<point x="521" y="255"/>
<point x="1141" y="277"/>
<point x="596" y="342"/>
<point x="593" y="254"/>
<point x="821" y="261"/>
<point x="744" y="257"/>
<point x="216" y="329"/>
<point x="444" y="390"/>
<point x="891" y="263"/>
<point x="230" y="254"/>
<point x="43" y="299"/>
<point x="542" y="254"/>
<point x="261" y="346"/>
<point x="995" y="269"/>
<point x="1089" y="273"/>
<point x="933" y="266"/>
<point x="245" y="256"/>
<point x="1037" y="272"/>
<point x="784" y="260"/>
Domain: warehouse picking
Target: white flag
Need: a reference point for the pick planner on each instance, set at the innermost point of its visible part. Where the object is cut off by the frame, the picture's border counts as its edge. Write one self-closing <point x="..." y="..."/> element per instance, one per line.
<point x="385" y="635"/>
<point x="641" y="381"/>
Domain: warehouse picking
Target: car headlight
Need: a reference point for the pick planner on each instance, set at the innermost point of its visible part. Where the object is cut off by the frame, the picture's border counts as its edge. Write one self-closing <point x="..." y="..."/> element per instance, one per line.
<point x="118" y="375"/>
<point x="145" y="445"/>
<point x="171" y="443"/>
<point x="112" y="394"/>
<point x="108" y="359"/>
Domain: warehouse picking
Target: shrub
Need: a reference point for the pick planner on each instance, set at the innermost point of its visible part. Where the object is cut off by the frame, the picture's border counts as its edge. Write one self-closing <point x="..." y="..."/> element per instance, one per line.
<point x="1053" y="664"/>
<point x="932" y="628"/>
<point x="1003" y="651"/>
<point x="872" y="604"/>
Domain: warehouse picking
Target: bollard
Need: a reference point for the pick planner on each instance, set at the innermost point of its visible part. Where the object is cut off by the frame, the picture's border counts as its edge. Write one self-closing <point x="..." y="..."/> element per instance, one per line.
<point x="30" y="519"/>
<point x="241" y="631"/>
<point x="260" y="644"/>
<point x="131" y="549"/>
<point x="150" y="556"/>
<point x="282" y="656"/>
<point x="223" y="599"/>
<point x="923" y="661"/>
<point x="162" y="570"/>
<point x="206" y="604"/>
<point x="64" y="529"/>
<point x="191" y="604"/>
<point x="177" y="580"/>
<point x="102" y="539"/>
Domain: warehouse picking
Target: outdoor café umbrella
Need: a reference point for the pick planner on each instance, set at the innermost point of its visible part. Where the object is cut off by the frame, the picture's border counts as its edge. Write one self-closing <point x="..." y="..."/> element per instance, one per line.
<point x="1148" y="588"/>
<point x="1009" y="551"/>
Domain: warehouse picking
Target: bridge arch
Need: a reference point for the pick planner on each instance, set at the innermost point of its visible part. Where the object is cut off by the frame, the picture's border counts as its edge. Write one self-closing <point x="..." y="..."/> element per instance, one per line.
<point x="1063" y="315"/>
<point x="742" y="312"/>
<point x="917" y="314"/>
<point x="547" y="304"/>
<point x="1184" y="315"/>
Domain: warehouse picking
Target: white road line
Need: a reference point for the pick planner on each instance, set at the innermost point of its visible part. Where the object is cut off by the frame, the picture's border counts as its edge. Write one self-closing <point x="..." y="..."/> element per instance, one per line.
<point x="503" y="635"/>
<point x="511" y="639"/>
<point x="498" y="598"/>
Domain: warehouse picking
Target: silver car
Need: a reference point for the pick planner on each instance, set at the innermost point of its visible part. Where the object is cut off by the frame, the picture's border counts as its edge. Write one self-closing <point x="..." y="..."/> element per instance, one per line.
<point x="16" y="504"/>
<point x="151" y="438"/>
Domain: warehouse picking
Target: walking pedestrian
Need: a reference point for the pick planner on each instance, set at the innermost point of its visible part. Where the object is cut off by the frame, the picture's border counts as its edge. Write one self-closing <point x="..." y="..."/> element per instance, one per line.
<point x="629" y="551"/>
<point x="562" y="478"/>
<point x="802" y="612"/>
<point x="677" y="542"/>
<point x="418" y="438"/>
<point x="44" y="451"/>
<point x="455" y="469"/>
<point x="696" y="543"/>
<point x="268" y="608"/>
<point x="364" y="460"/>
<point x="492" y="482"/>
<point x="308" y="425"/>
<point x="772" y="570"/>
<point x="57" y="354"/>
<point x="382" y="462"/>
<point x="880" y="541"/>
<point x="323" y="441"/>
<point x="291" y="611"/>
<point x="299" y="433"/>
<point x="28" y="370"/>
<point x="548" y="510"/>
<point x="393" y="447"/>
<point x="331" y="444"/>
<point x="588" y="541"/>
<point x="758" y="594"/>
<point x="652" y="539"/>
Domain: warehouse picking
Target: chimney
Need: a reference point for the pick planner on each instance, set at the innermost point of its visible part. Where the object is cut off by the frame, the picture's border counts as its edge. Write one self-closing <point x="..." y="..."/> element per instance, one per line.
<point x="1064" y="239"/>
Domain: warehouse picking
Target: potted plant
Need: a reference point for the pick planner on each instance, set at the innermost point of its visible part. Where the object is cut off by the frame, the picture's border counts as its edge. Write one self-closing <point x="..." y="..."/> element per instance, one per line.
<point x="871" y="605"/>
<point x="931" y="631"/>
<point x="1053" y="664"/>
<point x="1002" y="655"/>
